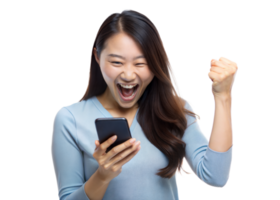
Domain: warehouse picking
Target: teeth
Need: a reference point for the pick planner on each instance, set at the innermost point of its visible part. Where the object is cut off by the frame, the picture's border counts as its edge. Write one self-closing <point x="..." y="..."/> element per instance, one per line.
<point x="127" y="86"/>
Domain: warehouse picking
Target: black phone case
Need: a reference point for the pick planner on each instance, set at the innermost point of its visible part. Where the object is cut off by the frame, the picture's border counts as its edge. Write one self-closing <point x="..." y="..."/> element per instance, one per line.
<point x="107" y="127"/>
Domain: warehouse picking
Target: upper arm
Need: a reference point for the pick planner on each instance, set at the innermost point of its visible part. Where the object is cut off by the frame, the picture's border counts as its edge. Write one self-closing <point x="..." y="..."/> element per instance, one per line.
<point x="66" y="156"/>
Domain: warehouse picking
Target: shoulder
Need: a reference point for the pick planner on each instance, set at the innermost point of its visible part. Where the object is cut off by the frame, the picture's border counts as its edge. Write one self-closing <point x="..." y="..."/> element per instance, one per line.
<point x="73" y="111"/>
<point x="186" y="104"/>
<point x="189" y="112"/>
<point x="182" y="100"/>
<point x="64" y="118"/>
<point x="189" y="104"/>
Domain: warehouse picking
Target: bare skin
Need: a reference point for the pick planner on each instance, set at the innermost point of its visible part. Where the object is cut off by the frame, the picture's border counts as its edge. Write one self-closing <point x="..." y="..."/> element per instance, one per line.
<point x="126" y="70"/>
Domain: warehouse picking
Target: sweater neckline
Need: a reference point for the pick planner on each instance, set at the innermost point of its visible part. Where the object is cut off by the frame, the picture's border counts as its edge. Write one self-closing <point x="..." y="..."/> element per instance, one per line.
<point x="106" y="113"/>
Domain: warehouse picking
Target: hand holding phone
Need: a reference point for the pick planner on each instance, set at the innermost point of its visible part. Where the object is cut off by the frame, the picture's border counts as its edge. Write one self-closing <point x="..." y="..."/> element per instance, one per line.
<point x="107" y="127"/>
<point x="112" y="155"/>
<point x="110" y="164"/>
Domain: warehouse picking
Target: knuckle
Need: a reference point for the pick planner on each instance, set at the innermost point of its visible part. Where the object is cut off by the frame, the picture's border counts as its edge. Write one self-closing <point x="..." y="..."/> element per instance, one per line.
<point x="134" y="152"/>
<point x="115" y="150"/>
<point x="135" y="147"/>
<point x="121" y="156"/>
<point x="128" y="143"/>
<point x="106" y="167"/>
<point x="114" y="169"/>
<point x="101" y="162"/>
<point x="131" y="153"/>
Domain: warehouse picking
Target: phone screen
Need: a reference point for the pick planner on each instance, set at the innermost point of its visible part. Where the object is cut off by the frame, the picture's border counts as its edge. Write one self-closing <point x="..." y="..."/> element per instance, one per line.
<point x="107" y="127"/>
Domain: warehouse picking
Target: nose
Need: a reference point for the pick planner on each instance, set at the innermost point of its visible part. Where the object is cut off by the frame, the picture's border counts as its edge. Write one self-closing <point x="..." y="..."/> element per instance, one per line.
<point x="129" y="73"/>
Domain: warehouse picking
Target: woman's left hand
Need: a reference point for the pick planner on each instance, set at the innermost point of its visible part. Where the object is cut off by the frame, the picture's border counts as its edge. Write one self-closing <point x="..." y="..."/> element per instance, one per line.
<point x="222" y="74"/>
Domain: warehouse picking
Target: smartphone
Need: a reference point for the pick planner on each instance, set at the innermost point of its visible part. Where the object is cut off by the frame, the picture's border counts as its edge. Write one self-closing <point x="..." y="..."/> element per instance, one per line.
<point x="108" y="127"/>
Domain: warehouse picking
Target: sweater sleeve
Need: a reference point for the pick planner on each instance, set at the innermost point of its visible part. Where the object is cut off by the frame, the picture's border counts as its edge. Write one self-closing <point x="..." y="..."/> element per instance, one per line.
<point x="210" y="166"/>
<point x="67" y="157"/>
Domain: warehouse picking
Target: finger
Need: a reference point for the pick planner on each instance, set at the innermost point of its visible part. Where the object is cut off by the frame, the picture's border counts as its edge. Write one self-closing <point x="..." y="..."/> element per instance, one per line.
<point x="120" y="148"/>
<point x="213" y="61"/>
<point x="227" y="62"/>
<point x="217" y="70"/>
<point x="216" y="63"/>
<point x="117" y="154"/>
<point x="225" y="59"/>
<point x="123" y="146"/>
<point x="213" y="76"/>
<point x="96" y="144"/>
<point x="102" y="147"/>
<point x="126" y="159"/>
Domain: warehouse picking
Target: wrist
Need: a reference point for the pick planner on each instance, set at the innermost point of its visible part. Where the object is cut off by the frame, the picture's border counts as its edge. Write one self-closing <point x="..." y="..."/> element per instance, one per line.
<point x="101" y="178"/>
<point x="223" y="97"/>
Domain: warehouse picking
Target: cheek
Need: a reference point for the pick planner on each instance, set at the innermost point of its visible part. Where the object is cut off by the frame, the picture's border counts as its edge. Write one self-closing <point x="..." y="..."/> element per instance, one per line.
<point x="109" y="73"/>
<point x="147" y="76"/>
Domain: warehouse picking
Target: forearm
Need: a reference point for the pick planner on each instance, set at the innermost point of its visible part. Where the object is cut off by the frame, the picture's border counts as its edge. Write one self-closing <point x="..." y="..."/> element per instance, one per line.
<point x="95" y="188"/>
<point x="221" y="136"/>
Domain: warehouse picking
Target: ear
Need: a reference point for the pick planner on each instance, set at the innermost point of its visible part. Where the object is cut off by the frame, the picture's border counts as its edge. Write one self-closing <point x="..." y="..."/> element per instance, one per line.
<point x="95" y="55"/>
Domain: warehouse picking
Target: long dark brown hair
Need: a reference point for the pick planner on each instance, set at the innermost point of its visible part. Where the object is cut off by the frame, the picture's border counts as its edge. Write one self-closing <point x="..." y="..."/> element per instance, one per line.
<point x="161" y="115"/>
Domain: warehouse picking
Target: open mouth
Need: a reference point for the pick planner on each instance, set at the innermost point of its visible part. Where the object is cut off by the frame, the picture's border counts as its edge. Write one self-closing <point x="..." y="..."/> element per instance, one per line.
<point x="127" y="94"/>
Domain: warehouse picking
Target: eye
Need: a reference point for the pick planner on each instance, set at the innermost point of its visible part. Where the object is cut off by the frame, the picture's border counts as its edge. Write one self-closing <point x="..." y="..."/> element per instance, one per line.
<point x="115" y="62"/>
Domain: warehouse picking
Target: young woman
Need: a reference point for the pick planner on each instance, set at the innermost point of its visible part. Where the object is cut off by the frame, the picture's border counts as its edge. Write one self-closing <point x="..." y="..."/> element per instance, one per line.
<point x="129" y="77"/>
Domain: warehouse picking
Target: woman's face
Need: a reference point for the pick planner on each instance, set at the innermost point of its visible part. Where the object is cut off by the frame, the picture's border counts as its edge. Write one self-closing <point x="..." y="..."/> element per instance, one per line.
<point x="122" y="62"/>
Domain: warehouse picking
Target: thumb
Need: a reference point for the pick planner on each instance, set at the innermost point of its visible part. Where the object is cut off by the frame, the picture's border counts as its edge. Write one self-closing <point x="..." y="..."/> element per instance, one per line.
<point x="96" y="144"/>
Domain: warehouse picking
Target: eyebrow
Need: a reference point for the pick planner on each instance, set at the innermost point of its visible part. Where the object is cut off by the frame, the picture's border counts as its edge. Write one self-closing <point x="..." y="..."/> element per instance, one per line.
<point x="118" y="56"/>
